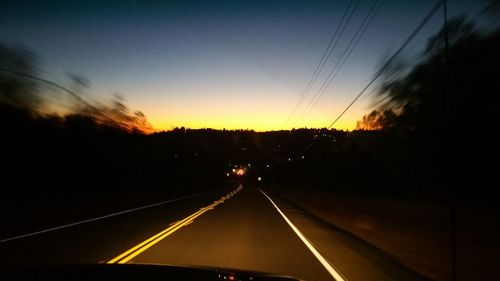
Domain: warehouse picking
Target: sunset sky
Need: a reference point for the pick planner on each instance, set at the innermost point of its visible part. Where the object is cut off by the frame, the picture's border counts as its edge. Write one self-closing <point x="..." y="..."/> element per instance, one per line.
<point x="217" y="64"/>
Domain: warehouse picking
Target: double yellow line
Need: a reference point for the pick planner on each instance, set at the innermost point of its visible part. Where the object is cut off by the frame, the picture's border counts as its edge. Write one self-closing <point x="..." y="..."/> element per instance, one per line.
<point x="143" y="246"/>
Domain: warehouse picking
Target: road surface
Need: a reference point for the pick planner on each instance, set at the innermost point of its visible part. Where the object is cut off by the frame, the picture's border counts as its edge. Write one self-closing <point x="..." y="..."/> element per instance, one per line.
<point x="240" y="227"/>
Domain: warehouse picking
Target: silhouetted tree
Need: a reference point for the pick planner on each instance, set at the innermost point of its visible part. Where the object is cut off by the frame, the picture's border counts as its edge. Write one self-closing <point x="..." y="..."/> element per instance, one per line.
<point x="378" y="120"/>
<point x="492" y="9"/>
<point x="22" y="94"/>
<point x="433" y="93"/>
<point x="18" y="91"/>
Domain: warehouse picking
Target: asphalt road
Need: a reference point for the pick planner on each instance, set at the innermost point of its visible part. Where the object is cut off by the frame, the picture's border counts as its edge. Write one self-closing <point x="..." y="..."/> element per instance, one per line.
<point x="227" y="228"/>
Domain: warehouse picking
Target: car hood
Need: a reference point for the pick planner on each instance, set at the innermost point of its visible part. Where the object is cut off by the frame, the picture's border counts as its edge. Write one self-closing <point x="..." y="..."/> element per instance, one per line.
<point x="134" y="272"/>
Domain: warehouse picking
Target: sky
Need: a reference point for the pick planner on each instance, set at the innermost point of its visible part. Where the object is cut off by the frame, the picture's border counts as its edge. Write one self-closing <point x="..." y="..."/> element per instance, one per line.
<point x="219" y="64"/>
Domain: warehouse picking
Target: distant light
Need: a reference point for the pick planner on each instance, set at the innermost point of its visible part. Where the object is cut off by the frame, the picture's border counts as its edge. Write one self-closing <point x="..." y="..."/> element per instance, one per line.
<point x="231" y="277"/>
<point x="240" y="172"/>
<point x="259" y="178"/>
<point x="227" y="174"/>
<point x="302" y="157"/>
<point x="249" y="166"/>
<point x="234" y="170"/>
<point x="267" y="166"/>
<point x="289" y="159"/>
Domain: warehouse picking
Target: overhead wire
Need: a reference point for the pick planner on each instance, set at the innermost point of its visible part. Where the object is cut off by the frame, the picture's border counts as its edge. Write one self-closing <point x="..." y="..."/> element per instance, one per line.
<point x="324" y="58"/>
<point x="389" y="61"/>
<point x="344" y="57"/>
<point x="424" y="21"/>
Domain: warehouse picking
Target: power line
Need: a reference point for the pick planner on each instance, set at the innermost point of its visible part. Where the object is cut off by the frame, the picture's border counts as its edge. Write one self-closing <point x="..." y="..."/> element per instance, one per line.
<point x="344" y="57"/>
<point x="326" y="55"/>
<point x="390" y="60"/>
<point x="301" y="117"/>
<point x="384" y="67"/>
<point x="323" y="60"/>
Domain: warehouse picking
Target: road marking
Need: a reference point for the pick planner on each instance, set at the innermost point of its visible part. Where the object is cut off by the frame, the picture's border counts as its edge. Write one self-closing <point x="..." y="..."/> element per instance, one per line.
<point x="143" y="246"/>
<point x="334" y="273"/>
<point x="101" y="217"/>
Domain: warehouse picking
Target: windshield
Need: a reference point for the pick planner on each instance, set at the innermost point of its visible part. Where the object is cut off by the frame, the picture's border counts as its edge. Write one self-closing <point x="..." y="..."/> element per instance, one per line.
<point x="323" y="140"/>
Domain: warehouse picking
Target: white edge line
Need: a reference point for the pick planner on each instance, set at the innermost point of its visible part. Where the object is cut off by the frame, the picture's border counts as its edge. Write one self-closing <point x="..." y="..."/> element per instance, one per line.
<point x="101" y="217"/>
<point x="336" y="275"/>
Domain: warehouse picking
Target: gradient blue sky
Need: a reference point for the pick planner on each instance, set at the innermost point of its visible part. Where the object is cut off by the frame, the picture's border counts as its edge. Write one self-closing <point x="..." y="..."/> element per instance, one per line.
<point x="218" y="64"/>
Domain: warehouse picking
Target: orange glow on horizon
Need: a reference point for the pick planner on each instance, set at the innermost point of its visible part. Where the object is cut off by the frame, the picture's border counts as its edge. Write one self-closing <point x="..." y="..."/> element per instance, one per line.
<point x="258" y="125"/>
<point x="245" y="108"/>
<point x="254" y="112"/>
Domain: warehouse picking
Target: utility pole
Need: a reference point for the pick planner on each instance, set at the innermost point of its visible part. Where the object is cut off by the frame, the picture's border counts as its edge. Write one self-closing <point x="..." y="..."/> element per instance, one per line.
<point x="447" y="143"/>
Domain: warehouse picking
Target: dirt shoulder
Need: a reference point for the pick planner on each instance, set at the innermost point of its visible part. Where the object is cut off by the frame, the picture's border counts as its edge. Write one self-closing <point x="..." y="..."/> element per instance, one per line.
<point x="415" y="232"/>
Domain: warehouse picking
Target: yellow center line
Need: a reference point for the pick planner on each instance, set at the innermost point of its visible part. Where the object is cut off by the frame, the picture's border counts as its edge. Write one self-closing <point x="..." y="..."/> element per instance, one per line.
<point x="141" y="247"/>
<point x="148" y="240"/>
<point x="145" y="247"/>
